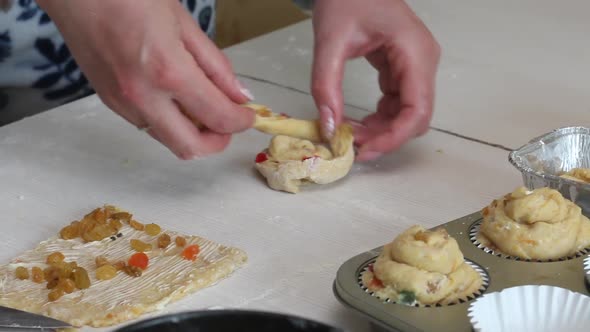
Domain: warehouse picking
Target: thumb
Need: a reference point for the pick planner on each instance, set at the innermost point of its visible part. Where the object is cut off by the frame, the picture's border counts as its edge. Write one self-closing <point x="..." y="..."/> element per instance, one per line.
<point x="326" y="82"/>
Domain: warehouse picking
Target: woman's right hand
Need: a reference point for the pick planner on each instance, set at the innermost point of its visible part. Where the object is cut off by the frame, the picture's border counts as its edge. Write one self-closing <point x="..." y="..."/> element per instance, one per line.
<point x="149" y="62"/>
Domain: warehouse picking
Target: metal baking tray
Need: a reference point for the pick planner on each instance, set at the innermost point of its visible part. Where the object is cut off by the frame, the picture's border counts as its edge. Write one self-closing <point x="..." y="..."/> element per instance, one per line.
<point x="502" y="273"/>
<point x="544" y="158"/>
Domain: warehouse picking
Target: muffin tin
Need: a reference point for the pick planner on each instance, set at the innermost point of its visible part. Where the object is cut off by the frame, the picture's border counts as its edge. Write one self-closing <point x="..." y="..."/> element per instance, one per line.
<point x="503" y="272"/>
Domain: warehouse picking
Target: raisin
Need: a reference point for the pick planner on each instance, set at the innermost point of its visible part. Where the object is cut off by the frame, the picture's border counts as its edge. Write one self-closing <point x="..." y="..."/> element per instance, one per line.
<point x="51" y="284"/>
<point x="22" y="273"/>
<point x="81" y="278"/>
<point x="51" y="273"/>
<point x="163" y="241"/>
<point x="100" y="261"/>
<point x="140" y="246"/>
<point x="115" y="224"/>
<point x="152" y="229"/>
<point x="122" y="216"/>
<point x="120" y="265"/>
<point x="180" y="241"/>
<point x="132" y="271"/>
<point x="67" y="285"/>
<point x="55" y="294"/>
<point x="106" y="272"/>
<point x="55" y="258"/>
<point x="136" y="225"/>
<point x="71" y="231"/>
<point x="37" y="275"/>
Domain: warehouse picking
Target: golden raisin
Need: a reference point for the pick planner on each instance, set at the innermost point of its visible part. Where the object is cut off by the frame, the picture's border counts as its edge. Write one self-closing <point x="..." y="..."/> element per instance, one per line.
<point x="152" y="229"/>
<point x="115" y="224"/>
<point x="100" y="261"/>
<point x="163" y="241"/>
<point x="22" y="273"/>
<point x="67" y="285"/>
<point x="99" y="215"/>
<point x="106" y="272"/>
<point x="180" y="241"/>
<point x="81" y="278"/>
<point x="56" y="257"/>
<point x="37" y="275"/>
<point x="120" y="265"/>
<point x="98" y="233"/>
<point x="140" y="246"/>
<point x="55" y="294"/>
<point x="51" y="273"/>
<point x="136" y="225"/>
<point x="132" y="271"/>
<point x="71" y="231"/>
<point x="122" y="216"/>
<point x="51" y="284"/>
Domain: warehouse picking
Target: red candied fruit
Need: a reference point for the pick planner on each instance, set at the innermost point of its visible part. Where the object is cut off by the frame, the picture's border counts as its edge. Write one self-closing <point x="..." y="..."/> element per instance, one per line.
<point x="261" y="157"/>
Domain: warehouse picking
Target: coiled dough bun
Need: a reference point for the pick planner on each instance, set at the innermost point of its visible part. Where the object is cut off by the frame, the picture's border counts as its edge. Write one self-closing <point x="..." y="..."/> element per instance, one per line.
<point x="539" y="225"/>
<point x="423" y="266"/>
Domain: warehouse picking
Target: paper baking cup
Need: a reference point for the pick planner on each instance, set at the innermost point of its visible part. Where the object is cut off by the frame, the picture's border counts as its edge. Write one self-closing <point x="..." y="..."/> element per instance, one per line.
<point x="531" y="308"/>
<point x="474" y="229"/>
<point x="587" y="270"/>
<point x="484" y="285"/>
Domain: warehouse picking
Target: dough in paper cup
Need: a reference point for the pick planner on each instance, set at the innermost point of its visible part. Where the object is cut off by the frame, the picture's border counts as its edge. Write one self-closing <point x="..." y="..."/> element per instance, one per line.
<point x="531" y="308"/>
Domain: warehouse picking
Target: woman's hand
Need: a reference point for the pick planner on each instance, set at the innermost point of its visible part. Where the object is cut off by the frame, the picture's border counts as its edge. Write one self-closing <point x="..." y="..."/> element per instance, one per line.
<point x="149" y="62"/>
<point x="399" y="46"/>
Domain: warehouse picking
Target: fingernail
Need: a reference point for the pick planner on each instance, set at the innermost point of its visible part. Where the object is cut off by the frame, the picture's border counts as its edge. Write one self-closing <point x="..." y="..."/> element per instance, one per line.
<point x="369" y="155"/>
<point x="327" y="121"/>
<point x="244" y="91"/>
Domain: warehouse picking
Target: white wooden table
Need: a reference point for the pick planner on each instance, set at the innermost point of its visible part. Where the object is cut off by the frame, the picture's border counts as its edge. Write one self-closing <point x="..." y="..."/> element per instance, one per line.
<point x="509" y="72"/>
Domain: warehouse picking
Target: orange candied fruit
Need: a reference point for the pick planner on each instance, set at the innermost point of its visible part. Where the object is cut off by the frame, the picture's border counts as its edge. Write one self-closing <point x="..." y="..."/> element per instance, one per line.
<point x="261" y="157"/>
<point x="139" y="260"/>
<point x="190" y="253"/>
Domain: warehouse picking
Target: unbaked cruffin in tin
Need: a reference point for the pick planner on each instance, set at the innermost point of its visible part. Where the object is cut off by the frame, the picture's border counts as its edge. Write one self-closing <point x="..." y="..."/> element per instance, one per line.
<point x="535" y="225"/>
<point x="422" y="267"/>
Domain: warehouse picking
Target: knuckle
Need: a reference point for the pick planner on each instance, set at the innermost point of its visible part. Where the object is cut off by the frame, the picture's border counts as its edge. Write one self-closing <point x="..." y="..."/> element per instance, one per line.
<point x="164" y="72"/>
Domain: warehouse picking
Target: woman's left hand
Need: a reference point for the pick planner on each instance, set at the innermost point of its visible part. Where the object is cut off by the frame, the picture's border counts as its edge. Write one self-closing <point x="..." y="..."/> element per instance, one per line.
<point x="399" y="46"/>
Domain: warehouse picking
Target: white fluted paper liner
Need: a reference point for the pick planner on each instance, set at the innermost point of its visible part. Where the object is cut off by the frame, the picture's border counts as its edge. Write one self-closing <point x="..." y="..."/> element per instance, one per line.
<point x="587" y="268"/>
<point x="531" y="308"/>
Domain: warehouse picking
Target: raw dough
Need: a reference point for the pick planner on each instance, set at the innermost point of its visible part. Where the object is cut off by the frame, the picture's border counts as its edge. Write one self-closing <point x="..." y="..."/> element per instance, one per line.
<point x="425" y="266"/>
<point x="539" y="224"/>
<point x="578" y="174"/>
<point x="295" y="154"/>
<point x="107" y="302"/>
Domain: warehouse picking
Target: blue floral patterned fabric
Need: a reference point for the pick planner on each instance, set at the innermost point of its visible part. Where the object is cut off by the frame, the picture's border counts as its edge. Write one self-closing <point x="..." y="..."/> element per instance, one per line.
<point x="37" y="71"/>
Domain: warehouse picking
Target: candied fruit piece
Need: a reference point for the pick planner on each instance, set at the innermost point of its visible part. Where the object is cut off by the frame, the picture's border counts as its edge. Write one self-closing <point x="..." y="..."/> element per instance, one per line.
<point x="140" y="246"/>
<point x="261" y="157"/>
<point x="100" y="261"/>
<point x="191" y="252"/>
<point x="180" y="241"/>
<point x="132" y="271"/>
<point x="106" y="272"/>
<point x="22" y="273"/>
<point x="152" y="229"/>
<point x="136" y="225"/>
<point x="55" y="294"/>
<point x="55" y="258"/>
<point x="81" y="278"/>
<point x="139" y="260"/>
<point x="99" y="215"/>
<point x="163" y="241"/>
<point x="37" y="275"/>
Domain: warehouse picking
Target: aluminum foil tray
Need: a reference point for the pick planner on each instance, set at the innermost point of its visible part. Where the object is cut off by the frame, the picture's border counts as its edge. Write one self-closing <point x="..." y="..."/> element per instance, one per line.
<point x="502" y="273"/>
<point x="544" y="158"/>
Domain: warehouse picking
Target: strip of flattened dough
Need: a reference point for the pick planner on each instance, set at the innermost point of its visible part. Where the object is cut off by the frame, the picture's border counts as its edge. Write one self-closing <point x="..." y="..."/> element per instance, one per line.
<point x="168" y="278"/>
